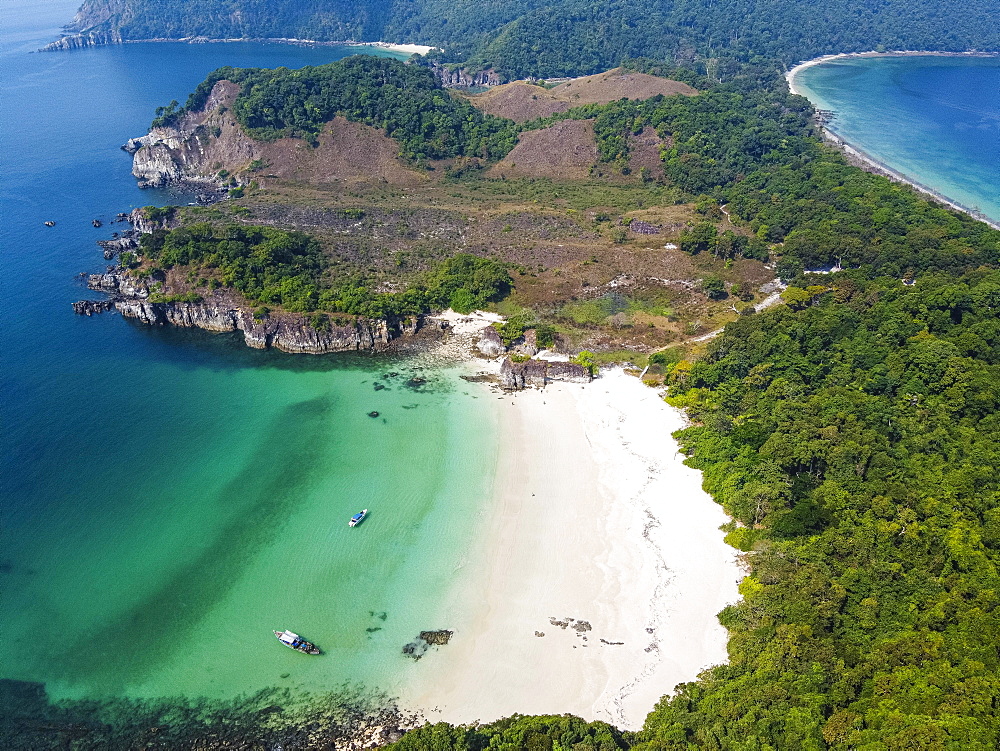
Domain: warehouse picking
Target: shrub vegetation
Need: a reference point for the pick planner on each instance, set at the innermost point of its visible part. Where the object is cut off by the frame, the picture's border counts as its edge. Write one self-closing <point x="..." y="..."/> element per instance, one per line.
<point x="269" y="266"/>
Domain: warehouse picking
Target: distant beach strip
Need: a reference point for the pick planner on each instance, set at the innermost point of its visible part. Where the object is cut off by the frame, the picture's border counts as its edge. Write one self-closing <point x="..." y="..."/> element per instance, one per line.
<point x="862" y="158"/>
<point x="70" y="41"/>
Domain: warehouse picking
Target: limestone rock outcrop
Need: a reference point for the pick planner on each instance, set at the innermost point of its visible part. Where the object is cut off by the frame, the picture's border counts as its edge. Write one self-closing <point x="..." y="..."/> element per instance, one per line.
<point x="288" y="332"/>
<point x="490" y="344"/>
<point x="568" y="371"/>
<point x="527" y="344"/>
<point x="515" y="376"/>
<point x="462" y="78"/>
<point x="184" y="152"/>
<point x="90" y="307"/>
<point x="84" y="39"/>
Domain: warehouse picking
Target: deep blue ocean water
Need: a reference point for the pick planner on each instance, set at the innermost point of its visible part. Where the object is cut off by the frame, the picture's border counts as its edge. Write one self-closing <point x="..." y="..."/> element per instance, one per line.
<point x="934" y="119"/>
<point x="169" y="497"/>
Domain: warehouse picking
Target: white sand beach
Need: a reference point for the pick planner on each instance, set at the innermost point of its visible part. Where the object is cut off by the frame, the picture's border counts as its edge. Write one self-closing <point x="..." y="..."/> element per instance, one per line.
<point x="599" y="538"/>
<point x="410" y="49"/>
<point x="795" y="70"/>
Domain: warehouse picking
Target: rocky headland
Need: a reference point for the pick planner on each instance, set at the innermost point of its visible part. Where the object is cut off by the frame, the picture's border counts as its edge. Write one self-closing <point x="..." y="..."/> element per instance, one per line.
<point x="133" y="298"/>
<point x="208" y="149"/>
<point x="157" y="300"/>
<point x="84" y="39"/>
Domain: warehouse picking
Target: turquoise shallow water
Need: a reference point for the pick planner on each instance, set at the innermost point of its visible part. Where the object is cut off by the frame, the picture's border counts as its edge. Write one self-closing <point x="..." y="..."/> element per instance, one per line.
<point x="168" y="497"/>
<point x="935" y="119"/>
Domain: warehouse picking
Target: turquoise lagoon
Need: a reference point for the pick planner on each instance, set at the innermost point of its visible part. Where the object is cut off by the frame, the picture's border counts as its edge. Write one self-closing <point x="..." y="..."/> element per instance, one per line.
<point x="935" y="119"/>
<point x="167" y="497"/>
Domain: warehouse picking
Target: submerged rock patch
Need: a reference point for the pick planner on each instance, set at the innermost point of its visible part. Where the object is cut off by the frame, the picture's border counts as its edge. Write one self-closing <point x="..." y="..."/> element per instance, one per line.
<point x="419" y="646"/>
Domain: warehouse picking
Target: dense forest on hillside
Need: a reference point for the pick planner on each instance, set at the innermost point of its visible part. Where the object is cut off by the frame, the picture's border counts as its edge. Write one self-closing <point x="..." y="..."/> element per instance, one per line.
<point x="572" y="37"/>
<point x="406" y="101"/>
<point x="854" y="436"/>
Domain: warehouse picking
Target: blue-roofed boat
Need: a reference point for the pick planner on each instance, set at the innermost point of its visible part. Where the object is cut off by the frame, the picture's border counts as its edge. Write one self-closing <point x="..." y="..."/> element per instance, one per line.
<point x="296" y="642"/>
<point x="358" y="518"/>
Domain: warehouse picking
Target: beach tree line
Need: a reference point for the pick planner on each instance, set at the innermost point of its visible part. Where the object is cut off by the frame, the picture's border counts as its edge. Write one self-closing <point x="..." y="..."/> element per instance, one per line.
<point x="853" y="435"/>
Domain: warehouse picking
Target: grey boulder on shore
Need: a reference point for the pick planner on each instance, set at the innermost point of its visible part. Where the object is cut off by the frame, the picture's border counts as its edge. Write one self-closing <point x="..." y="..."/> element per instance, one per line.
<point x="515" y="376"/>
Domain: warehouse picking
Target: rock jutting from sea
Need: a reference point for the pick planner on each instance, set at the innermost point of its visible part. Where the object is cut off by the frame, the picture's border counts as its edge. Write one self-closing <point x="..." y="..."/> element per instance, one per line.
<point x="93" y="38"/>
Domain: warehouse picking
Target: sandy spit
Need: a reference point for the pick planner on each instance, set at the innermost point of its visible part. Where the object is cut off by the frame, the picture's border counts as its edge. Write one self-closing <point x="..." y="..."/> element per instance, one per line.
<point x="602" y="566"/>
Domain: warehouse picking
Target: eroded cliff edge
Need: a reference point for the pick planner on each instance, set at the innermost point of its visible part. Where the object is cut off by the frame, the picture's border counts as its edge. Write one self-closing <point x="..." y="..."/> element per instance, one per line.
<point x="208" y="147"/>
<point x="148" y="299"/>
<point x="223" y="312"/>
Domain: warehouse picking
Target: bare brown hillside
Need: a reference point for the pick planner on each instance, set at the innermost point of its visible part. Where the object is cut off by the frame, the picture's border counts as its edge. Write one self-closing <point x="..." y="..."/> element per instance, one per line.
<point x="566" y="149"/>
<point x="347" y="152"/>
<point x="521" y="101"/>
<point x="210" y="144"/>
<point x="615" y="84"/>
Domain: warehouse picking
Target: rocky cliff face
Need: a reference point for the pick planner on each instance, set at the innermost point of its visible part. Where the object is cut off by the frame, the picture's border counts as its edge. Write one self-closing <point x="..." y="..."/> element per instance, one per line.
<point x="85" y="39"/>
<point x="288" y="332"/>
<point x="194" y="150"/>
<point x="143" y="225"/>
<point x="462" y="78"/>
<point x="186" y="151"/>
<point x="490" y="344"/>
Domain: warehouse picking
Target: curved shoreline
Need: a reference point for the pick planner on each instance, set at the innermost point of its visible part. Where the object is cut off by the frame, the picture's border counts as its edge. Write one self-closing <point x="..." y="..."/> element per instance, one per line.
<point x="601" y="566"/>
<point x="870" y="163"/>
<point x="799" y="67"/>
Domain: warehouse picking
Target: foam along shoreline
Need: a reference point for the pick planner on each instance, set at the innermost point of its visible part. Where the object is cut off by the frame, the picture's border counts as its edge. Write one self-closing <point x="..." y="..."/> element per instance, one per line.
<point x="602" y="540"/>
<point x="866" y="160"/>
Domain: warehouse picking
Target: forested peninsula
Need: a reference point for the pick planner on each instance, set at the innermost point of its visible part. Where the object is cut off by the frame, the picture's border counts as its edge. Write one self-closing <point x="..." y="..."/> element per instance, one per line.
<point x="524" y="38"/>
<point x="851" y="430"/>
